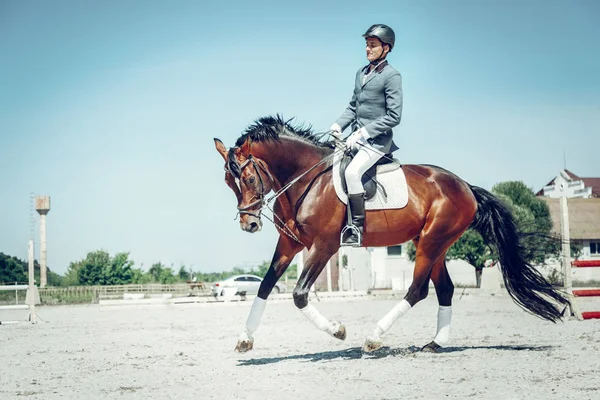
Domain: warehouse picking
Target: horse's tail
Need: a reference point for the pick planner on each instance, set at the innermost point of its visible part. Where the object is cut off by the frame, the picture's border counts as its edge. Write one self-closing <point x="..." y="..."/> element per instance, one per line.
<point x="524" y="283"/>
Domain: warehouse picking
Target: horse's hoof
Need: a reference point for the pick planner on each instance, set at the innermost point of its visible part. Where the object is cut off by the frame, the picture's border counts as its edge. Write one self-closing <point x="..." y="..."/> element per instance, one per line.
<point x="341" y="332"/>
<point x="372" y="344"/>
<point x="432" y="347"/>
<point x="244" y="345"/>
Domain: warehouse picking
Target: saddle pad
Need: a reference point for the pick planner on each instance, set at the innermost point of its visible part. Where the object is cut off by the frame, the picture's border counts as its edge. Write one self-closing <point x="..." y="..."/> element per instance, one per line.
<point x="390" y="176"/>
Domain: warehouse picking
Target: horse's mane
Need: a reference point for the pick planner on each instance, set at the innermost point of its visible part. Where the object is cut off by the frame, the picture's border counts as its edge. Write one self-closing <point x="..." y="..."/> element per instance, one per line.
<point x="273" y="127"/>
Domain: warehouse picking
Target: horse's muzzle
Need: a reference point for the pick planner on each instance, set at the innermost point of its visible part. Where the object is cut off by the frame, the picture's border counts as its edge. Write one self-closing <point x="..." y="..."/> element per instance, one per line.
<point x="251" y="224"/>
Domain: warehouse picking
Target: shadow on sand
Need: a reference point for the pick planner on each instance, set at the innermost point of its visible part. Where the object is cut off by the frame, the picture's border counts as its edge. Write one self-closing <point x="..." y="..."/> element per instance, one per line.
<point x="355" y="353"/>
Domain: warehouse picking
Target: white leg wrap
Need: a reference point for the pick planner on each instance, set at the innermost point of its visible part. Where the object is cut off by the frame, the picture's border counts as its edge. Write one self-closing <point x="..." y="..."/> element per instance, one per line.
<point x="256" y="312"/>
<point x="443" y="325"/>
<point x="319" y="320"/>
<point x="395" y="313"/>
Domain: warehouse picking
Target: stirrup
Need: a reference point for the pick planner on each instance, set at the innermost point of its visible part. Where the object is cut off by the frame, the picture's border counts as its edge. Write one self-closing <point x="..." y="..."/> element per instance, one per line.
<point x="354" y="230"/>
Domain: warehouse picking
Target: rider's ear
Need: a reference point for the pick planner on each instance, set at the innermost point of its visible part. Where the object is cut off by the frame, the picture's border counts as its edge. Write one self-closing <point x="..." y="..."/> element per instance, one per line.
<point x="221" y="148"/>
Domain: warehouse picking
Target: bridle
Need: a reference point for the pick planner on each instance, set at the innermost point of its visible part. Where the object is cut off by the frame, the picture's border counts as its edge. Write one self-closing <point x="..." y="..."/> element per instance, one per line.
<point x="261" y="196"/>
<point x="262" y="200"/>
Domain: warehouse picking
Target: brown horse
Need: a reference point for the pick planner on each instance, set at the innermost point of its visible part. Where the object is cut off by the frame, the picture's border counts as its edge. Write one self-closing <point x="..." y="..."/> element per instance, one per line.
<point x="273" y="155"/>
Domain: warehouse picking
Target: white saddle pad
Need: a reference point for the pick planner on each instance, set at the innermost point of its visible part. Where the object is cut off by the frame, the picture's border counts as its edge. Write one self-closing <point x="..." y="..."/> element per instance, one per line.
<point x="390" y="176"/>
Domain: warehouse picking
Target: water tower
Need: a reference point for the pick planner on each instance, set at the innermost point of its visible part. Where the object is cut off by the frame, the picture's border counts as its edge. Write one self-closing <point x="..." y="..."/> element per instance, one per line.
<point x="42" y="206"/>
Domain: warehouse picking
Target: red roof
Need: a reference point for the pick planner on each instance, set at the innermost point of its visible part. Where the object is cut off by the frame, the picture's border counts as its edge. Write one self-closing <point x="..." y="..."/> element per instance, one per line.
<point x="594" y="183"/>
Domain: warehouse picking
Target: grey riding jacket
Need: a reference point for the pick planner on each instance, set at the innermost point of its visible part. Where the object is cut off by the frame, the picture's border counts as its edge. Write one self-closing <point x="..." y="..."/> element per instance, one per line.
<point x="376" y="105"/>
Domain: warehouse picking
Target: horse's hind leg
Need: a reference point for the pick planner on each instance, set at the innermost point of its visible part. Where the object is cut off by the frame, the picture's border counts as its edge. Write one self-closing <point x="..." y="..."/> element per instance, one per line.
<point x="433" y="243"/>
<point x="444" y="289"/>
<point x="428" y="252"/>
<point x="315" y="262"/>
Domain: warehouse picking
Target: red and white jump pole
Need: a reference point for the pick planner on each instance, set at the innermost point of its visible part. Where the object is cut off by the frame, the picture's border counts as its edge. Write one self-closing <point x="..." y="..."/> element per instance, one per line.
<point x="567" y="265"/>
<point x="587" y="292"/>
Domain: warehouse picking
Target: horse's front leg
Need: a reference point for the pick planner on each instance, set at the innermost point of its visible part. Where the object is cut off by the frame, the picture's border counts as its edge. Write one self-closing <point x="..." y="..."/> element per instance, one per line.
<point x="284" y="254"/>
<point x="316" y="260"/>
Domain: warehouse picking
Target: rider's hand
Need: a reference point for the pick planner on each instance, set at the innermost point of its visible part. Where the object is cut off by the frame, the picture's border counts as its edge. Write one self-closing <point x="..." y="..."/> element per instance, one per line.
<point x="336" y="130"/>
<point x="355" y="137"/>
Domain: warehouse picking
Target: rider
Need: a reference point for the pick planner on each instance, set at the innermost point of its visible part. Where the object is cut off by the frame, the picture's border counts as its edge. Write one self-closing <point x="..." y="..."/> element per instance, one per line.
<point x="375" y="108"/>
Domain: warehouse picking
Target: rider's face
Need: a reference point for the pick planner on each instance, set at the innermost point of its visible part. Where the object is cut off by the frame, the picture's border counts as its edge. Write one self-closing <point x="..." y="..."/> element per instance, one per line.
<point x="375" y="49"/>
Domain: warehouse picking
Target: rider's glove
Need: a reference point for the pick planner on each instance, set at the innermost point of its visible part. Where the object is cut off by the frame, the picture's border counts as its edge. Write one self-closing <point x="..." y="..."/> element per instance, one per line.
<point x="336" y="130"/>
<point x="355" y="137"/>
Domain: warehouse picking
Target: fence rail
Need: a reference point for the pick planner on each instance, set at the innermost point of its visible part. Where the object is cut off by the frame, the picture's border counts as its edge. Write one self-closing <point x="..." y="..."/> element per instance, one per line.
<point x="92" y="294"/>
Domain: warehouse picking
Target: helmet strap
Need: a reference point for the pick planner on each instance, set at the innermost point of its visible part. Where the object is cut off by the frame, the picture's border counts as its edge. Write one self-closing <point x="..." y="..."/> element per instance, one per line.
<point x="381" y="57"/>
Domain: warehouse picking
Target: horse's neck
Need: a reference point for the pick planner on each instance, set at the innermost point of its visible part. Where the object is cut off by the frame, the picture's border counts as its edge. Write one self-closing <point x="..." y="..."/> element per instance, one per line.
<point x="287" y="160"/>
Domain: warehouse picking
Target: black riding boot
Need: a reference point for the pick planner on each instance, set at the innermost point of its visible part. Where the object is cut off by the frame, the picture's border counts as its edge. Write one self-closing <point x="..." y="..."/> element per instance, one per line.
<point x="356" y="202"/>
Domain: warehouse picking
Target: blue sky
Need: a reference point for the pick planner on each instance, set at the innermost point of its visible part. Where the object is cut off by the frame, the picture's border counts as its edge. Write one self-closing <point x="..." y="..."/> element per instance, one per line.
<point x="110" y="107"/>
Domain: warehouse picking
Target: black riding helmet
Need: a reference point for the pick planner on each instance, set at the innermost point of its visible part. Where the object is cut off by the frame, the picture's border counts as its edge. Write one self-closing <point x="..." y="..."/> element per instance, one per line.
<point x="382" y="32"/>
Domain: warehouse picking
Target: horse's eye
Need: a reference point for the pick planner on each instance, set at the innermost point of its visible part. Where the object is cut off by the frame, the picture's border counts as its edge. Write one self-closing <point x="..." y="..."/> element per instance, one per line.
<point x="252" y="179"/>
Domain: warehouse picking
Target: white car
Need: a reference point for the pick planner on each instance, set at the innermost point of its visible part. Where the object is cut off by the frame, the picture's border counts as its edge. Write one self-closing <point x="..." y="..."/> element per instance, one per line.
<point x="239" y="284"/>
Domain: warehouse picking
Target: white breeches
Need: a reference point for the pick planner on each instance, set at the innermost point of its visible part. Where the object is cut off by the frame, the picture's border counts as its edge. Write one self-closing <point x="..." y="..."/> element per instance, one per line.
<point x="364" y="159"/>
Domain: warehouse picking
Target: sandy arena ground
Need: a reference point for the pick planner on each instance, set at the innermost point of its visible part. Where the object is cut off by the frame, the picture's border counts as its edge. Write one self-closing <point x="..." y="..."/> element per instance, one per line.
<point x="186" y="352"/>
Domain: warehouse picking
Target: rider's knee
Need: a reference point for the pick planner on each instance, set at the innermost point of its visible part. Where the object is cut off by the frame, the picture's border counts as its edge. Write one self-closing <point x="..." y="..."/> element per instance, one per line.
<point x="351" y="172"/>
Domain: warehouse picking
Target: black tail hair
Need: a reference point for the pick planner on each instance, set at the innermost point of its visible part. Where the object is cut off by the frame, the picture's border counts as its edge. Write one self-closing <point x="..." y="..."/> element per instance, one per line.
<point x="527" y="287"/>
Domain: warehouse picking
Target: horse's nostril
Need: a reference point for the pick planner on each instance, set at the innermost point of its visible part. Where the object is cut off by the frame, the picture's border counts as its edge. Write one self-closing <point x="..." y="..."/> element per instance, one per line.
<point x="253" y="226"/>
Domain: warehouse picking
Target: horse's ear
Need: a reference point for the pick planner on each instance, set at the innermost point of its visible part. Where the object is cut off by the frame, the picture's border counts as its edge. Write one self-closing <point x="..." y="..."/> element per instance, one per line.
<point x="221" y="148"/>
<point x="245" y="148"/>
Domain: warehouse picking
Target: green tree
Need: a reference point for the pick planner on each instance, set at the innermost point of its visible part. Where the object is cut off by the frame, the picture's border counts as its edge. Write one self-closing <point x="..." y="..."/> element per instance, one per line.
<point x="524" y="197"/>
<point x="12" y="269"/>
<point x="183" y="274"/>
<point x="156" y="271"/>
<point x="161" y="274"/>
<point x="72" y="276"/>
<point x="94" y="267"/>
<point x="118" y="271"/>
<point x="139" y="277"/>
<point x="99" y="268"/>
<point x="471" y="248"/>
<point x="53" y="278"/>
<point x="167" y="276"/>
<point x="533" y="219"/>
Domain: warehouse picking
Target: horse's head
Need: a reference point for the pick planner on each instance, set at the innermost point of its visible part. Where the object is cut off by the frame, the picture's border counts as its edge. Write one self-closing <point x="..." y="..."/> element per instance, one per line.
<point x="250" y="180"/>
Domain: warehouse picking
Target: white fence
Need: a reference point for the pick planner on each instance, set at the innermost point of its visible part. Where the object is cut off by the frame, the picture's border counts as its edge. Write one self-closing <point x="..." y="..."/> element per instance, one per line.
<point x="30" y="297"/>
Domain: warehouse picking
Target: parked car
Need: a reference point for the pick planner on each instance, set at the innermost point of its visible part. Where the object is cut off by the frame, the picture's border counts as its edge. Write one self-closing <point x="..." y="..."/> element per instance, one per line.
<point x="239" y="284"/>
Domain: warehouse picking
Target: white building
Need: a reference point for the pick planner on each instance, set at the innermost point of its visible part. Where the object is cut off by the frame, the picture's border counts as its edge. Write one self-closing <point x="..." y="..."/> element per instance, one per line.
<point x="391" y="268"/>
<point x="583" y="202"/>
<point x="570" y="185"/>
<point x="584" y="230"/>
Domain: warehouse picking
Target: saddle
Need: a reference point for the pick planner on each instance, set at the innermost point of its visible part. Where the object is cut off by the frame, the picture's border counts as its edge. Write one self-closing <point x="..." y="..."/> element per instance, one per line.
<point x="369" y="178"/>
